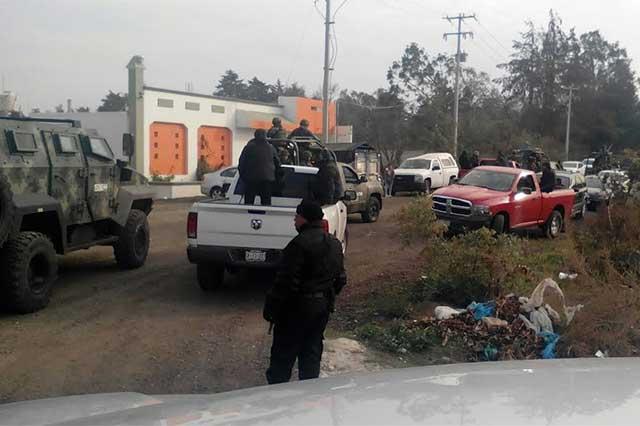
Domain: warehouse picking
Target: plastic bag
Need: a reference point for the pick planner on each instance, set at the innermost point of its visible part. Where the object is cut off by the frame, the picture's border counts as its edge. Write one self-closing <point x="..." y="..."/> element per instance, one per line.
<point x="445" y="312"/>
<point x="481" y="310"/>
<point x="540" y="319"/>
<point x="550" y="342"/>
<point x="536" y="299"/>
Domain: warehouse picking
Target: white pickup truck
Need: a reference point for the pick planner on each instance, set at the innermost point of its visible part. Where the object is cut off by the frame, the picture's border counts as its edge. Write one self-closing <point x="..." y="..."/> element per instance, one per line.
<point x="227" y="234"/>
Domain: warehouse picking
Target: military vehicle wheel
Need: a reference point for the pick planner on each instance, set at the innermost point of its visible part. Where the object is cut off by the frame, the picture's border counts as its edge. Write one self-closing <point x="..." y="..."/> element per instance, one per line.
<point x="7" y="210"/>
<point x="372" y="213"/>
<point x="132" y="247"/>
<point x="29" y="269"/>
<point x="210" y="277"/>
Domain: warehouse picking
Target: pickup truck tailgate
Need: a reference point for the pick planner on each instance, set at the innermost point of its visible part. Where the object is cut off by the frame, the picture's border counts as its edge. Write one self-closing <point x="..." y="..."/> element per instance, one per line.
<point x="238" y="225"/>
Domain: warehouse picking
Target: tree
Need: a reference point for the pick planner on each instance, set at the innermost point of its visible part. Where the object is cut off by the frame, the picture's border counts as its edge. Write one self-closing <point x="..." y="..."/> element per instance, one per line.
<point x="83" y="109"/>
<point x="113" y="102"/>
<point x="258" y="90"/>
<point x="231" y="85"/>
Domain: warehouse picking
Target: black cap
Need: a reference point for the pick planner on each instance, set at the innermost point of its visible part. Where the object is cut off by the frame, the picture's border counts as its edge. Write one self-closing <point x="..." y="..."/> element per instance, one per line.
<point x="310" y="210"/>
<point x="260" y="134"/>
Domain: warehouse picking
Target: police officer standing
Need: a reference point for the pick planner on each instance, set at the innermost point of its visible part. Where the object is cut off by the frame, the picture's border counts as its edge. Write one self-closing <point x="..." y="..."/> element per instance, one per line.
<point x="302" y="131"/>
<point x="259" y="166"/>
<point x="310" y="275"/>
<point x="276" y="131"/>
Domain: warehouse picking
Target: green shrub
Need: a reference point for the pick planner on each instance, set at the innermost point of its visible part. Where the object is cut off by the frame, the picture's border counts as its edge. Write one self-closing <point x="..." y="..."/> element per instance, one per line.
<point x="418" y="223"/>
<point x="399" y="337"/>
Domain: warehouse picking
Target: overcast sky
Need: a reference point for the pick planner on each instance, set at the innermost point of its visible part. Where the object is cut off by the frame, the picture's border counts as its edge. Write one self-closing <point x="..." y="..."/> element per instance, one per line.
<point x="52" y="50"/>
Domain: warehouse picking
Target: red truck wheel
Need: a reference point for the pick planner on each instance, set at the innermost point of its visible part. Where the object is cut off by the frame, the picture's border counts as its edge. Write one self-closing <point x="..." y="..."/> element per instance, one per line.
<point x="554" y="225"/>
<point x="499" y="224"/>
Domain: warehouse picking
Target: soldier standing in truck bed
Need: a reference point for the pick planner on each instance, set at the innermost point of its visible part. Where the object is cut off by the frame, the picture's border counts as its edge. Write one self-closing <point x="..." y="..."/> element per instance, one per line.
<point x="276" y="131"/>
<point x="310" y="275"/>
<point x="302" y="131"/>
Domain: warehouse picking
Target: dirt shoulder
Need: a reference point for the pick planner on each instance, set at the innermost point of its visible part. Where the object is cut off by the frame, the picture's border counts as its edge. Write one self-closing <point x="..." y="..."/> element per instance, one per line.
<point x="152" y="330"/>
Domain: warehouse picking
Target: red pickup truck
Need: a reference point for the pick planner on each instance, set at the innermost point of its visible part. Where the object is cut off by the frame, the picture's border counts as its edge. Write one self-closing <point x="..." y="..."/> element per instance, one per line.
<point x="503" y="199"/>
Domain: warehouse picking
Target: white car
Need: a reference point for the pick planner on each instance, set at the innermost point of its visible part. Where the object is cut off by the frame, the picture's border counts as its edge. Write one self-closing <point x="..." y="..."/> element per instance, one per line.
<point x="229" y="235"/>
<point x="216" y="184"/>
<point x="424" y="173"/>
<point x="575" y="167"/>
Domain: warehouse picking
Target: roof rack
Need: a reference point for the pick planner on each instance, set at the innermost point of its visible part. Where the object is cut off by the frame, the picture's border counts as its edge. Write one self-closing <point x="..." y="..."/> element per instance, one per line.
<point x="74" y="123"/>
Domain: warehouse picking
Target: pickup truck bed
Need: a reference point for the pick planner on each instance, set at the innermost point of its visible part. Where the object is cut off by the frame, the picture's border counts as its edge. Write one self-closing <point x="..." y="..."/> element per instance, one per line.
<point x="227" y="234"/>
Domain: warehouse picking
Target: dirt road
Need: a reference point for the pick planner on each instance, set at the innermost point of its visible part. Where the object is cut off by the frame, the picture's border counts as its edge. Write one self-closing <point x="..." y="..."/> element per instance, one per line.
<point x="152" y="330"/>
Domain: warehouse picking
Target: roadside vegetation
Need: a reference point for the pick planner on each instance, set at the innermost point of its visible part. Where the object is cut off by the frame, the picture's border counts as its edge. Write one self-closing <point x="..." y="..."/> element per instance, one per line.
<point x="603" y="250"/>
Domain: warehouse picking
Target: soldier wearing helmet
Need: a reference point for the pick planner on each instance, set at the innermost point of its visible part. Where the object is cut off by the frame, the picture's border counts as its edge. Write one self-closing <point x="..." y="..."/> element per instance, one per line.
<point x="302" y="131"/>
<point x="276" y="131"/>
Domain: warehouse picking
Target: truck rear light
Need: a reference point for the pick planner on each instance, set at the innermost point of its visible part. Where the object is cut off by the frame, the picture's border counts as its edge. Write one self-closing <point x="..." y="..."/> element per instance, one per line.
<point x="192" y="225"/>
<point x="325" y="225"/>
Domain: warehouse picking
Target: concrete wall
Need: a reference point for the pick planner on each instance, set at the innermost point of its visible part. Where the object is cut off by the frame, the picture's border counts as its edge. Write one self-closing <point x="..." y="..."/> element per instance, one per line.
<point x="192" y="120"/>
<point x="110" y="125"/>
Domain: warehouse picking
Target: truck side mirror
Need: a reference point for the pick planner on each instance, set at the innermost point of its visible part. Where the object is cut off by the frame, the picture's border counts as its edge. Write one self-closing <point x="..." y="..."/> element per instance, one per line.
<point x="350" y="196"/>
<point x="527" y="190"/>
<point x="364" y="179"/>
<point x="128" y="144"/>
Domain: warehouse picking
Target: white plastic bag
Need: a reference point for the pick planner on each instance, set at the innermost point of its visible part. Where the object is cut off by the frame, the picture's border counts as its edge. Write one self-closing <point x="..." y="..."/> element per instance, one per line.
<point x="536" y="299"/>
<point x="445" y="312"/>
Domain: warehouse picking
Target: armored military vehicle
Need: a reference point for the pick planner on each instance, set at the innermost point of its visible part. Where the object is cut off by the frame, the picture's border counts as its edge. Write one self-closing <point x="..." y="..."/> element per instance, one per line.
<point x="62" y="190"/>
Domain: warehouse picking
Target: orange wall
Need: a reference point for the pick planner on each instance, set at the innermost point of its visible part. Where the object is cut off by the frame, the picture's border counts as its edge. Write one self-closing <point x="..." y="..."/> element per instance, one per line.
<point x="168" y="149"/>
<point x="311" y="109"/>
<point x="214" y="143"/>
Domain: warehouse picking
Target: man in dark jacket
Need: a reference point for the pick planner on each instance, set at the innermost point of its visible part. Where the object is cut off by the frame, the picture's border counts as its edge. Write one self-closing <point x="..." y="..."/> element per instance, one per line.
<point x="310" y="275"/>
<point x="302" y="131"/>
<point x="327" y="188"/>
<point x="548" y="179"/>
<point x="258" y="167"/>
<point x="276" y="131"/>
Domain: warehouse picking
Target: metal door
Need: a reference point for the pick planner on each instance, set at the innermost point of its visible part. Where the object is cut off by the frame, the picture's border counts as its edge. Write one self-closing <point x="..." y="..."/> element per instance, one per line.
<point x="101" y="172"/>
<point x="437" y="175"/>
<point x="352" y="183"/>
<point x="68" y="176"/>
<point x="214" y="146"/>
<point x="168" y="149"/>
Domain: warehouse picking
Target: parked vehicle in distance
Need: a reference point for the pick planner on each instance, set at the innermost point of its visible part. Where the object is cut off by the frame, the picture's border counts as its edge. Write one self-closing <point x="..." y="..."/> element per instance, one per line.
<point x="619" y="177"/>
<point x="577" y="183"/>
<point x="216" y="184"/>
<point x="598" y="194"/>
<point x="229" y="235"/>
<point x="62" y="190"/>
<point x="424" y="173"/>
<point x="575" y="167"/>
<point x="488" y="162"/>
<point x="557" y="166"/>
<point x="503" y="199"/>
<point x="369" y="193"/>
<point x="588" y="165"/>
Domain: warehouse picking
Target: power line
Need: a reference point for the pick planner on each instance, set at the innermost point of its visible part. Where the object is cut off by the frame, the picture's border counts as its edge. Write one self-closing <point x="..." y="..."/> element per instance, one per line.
<point x="339" y="7"/>
<point x="492" y="51"/>
<point x="509" y="51"/>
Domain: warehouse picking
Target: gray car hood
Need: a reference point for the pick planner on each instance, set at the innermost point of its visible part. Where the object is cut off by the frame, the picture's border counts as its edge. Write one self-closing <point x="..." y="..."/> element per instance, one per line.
<point x="556" y="392"/>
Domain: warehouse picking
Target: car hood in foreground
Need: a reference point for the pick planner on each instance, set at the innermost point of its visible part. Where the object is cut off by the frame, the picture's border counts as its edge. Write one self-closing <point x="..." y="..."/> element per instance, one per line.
<point x="556" y="392"/>
<point x="474" y="194"/>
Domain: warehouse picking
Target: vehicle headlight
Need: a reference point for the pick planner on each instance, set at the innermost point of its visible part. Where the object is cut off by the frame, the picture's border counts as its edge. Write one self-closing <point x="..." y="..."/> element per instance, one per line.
<point x="478" y="210"/>
<point x="418" y="179"/>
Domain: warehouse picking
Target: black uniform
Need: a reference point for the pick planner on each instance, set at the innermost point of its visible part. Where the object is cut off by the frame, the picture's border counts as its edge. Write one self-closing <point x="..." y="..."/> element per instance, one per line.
<point x="258" y="167"/>
<point x="301" y="132"/>
<point x="311" y="274"/>
<point x="548" y="180"/>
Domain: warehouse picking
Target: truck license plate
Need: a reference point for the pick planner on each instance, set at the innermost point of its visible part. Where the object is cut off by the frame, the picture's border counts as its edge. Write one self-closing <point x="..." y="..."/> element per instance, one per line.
<point x="255" y="256"/>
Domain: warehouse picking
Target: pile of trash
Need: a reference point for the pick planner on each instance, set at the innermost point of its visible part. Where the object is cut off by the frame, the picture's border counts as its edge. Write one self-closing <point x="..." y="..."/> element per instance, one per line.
<point x="509" y="328"/>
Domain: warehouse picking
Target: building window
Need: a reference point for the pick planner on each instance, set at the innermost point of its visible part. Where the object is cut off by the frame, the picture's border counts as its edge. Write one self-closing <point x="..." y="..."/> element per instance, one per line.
<point x="165" y="103"/>
<point x="192" y="106"/>
<point x="218" y="109"/>
<point x="314" y="108"/>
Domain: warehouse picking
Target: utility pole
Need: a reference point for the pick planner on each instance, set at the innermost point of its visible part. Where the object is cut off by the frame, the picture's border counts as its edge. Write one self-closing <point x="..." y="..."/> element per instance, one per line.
<point x="327" y="71"/>
<point x="459" y="34"/>
<point x="566" y="142"/>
